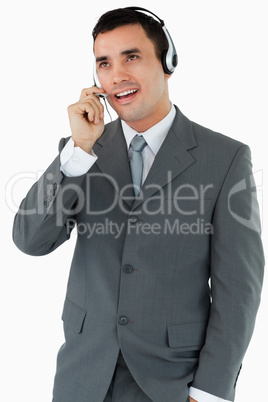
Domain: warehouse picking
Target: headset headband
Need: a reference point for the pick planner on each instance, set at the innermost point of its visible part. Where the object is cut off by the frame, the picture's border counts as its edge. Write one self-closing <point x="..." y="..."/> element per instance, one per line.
<point x="169" y="57"/>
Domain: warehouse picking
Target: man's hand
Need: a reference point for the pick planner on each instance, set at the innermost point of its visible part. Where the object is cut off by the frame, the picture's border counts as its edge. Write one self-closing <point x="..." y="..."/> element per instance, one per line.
<point x="192" y="400"/>
<point x="86" y="119"/>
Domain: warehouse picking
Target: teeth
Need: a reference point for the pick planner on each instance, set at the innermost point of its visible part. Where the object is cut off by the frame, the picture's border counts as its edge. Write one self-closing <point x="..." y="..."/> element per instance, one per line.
<point x="132" y="91"/>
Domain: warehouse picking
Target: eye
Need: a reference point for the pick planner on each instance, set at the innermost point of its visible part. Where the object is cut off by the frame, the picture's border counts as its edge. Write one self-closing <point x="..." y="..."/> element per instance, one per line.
<point x="104" y="64"/>
<point x="132" y="57"/>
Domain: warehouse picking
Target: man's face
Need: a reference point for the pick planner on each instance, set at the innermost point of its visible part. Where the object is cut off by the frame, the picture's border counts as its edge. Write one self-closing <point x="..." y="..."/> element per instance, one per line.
<point x="132" y="75"/>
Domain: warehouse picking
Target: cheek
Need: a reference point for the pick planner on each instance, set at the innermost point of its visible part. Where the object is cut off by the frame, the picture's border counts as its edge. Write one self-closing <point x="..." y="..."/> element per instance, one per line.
<point x="155" y="73"/>
<point x="104" y="84"/>
<point x="104" y="79"/>
<point x="156" y="85"/>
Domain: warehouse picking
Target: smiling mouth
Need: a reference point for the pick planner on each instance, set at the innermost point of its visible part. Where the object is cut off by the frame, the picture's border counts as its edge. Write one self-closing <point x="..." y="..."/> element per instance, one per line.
<point x="126" y="94"/>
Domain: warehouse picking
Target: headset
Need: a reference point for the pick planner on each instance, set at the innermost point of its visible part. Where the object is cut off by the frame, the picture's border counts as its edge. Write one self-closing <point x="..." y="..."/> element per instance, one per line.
<point x="169" y="57"/>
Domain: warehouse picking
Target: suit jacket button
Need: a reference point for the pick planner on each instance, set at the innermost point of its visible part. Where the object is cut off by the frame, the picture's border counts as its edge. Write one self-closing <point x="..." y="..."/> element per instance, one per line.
<point x="134" y="218"/>
<point x="123" y="320"/>
<point x="52" y="192"/>
<point x="127" y="269"/>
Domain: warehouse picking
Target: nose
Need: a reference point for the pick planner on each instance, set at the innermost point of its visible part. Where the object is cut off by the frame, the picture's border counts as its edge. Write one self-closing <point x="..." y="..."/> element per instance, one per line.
<point x="120" y="73"/>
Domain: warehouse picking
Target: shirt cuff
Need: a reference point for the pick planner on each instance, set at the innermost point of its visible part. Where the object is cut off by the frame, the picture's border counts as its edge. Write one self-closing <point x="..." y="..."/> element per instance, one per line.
<point x="201" y="396"/>
<point x="74" y="161"/>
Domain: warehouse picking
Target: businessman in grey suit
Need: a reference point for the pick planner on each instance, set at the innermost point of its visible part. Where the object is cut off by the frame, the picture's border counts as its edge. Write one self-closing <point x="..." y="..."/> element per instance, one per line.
<point x="166" y="277"/>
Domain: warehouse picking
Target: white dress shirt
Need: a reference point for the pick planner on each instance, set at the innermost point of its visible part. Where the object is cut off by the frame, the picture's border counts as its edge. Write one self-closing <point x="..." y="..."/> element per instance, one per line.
<point x="76" y="162"/>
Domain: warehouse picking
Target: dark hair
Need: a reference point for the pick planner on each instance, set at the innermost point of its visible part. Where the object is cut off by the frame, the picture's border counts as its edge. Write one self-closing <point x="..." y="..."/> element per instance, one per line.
<point x="124" y="16"/>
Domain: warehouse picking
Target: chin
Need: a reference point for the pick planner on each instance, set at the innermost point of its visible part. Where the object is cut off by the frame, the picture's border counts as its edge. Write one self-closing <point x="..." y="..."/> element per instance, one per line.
<point x="131" y="115"/>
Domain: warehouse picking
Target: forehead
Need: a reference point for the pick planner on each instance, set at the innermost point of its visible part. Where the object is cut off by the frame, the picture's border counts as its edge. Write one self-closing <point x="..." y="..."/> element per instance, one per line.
<point x="122" y="38"/>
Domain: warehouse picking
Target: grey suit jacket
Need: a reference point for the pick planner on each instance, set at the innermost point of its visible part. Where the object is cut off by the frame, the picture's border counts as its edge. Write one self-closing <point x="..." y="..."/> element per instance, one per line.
<point x="172" y="278"/>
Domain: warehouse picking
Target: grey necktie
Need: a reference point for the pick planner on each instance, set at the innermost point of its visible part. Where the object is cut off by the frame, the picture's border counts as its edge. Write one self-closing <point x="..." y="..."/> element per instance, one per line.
<point x="136" y="162"/>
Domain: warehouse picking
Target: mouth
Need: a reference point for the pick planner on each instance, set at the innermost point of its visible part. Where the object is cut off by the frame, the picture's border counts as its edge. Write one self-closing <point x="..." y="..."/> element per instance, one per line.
<point x="126" y="96"/>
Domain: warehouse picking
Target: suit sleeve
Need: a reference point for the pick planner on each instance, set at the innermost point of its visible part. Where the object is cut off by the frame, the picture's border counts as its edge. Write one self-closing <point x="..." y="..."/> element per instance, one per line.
<point x="236" y="279"/>
<point x="41" y="223"/>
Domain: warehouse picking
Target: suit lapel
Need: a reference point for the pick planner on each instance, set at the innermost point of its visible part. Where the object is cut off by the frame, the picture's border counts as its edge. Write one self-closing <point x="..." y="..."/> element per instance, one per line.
<point x="111" y="150"/>
<point x="172" y="158"/>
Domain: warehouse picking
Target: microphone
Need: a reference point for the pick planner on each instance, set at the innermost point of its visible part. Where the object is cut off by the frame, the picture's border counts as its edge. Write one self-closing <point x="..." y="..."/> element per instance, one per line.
<point x="102" y="96"/>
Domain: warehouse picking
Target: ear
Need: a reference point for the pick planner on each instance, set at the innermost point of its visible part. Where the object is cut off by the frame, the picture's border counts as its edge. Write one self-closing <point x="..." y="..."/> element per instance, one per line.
<point x="167" y="76"/>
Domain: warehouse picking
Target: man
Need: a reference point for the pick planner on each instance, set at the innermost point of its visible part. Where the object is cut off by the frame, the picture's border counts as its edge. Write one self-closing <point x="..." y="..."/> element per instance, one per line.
<point x="165" y="281"/>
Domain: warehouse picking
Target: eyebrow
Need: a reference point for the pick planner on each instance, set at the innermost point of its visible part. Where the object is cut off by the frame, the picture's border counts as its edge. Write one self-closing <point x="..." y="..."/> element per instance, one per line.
<point x="123" y="53"/>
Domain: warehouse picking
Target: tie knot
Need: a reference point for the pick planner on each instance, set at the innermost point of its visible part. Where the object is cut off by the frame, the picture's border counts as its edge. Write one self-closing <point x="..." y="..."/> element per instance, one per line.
<point x="138" y="143"/>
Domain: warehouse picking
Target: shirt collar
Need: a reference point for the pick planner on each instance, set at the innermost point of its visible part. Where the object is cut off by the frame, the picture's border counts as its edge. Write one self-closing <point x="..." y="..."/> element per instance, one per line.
<point x="155" y="135"/>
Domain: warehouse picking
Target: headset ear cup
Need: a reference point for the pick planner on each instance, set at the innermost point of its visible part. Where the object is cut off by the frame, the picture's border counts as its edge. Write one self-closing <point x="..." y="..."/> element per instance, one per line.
<point x="175" y="60"/>
<point x="164" y="63"/>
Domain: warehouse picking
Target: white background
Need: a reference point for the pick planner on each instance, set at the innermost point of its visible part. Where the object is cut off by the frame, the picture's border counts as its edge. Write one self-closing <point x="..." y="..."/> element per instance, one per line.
<point x="46" y="53"/>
